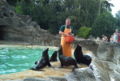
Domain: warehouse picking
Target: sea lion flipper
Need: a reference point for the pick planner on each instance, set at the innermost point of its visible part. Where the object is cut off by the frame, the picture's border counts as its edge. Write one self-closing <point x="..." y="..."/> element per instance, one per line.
<point x="36" y="62"/>
<point x="76" y="66"/>
<point x="53" y="58"/>
<point x="36" y="69"/>
<point x="49" y="64"/>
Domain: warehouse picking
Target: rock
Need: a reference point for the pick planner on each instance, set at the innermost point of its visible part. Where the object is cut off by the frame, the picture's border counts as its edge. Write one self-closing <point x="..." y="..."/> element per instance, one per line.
<point x="13" y="80"/>
<point x="108" y="52"/>
<point x="84" y="74"/>
<point x="14" y="27"/>
<point x="88" y="44"/>
<point x="107" y="62"/>
<point x="34" y="79"/>
<point x="58" y="79"/>
<point x="46" y="79"/>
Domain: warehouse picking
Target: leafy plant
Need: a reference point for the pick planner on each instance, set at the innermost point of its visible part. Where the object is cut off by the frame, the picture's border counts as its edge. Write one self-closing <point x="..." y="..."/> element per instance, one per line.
<point x="84" y="32"/>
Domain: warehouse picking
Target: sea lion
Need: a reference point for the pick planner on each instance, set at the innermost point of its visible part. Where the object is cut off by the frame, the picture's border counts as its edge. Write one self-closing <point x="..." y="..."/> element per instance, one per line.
<point x="66" y="61"/>
<point x="43" y="62"/>
<point x="54" y="57"/>
<point x="80" y="57"/>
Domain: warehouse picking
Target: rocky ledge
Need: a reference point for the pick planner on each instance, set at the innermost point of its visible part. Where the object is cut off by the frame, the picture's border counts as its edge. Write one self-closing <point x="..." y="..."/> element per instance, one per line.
<point x="16" y="27"/>
<point x="55" y="73"/>
<point x="104" y="67"/>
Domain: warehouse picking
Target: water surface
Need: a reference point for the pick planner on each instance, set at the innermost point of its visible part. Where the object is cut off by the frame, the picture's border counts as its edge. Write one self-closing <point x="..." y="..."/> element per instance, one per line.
<point x="15" y="59"/>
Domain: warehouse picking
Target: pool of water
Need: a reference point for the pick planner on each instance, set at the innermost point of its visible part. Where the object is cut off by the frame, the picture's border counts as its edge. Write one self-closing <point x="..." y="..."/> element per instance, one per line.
<point x="19" y="59"/>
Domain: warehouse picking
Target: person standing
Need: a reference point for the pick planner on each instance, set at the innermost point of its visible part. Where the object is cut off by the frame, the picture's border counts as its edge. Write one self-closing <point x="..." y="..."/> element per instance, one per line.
<point x="116" y="36"/>
<point x="104" y="38"/>
<point x="65" y="32"/>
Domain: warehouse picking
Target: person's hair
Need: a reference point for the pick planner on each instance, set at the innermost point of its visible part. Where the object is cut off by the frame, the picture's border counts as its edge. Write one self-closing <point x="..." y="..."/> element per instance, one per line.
<point x="68" y="19"/>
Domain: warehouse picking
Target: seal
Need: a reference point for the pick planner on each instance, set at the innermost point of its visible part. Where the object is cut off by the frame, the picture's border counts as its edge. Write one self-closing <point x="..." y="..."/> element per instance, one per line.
<point x="43" y="62"/>
<point x="80" y="57"/>
<point x="53" y="58"/>
<point x="66" y="61"/>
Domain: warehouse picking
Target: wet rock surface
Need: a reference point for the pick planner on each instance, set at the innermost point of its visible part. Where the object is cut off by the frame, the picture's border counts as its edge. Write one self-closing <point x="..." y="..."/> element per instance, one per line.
<point x="107" y="62"/>
<point x="84" y="74"/>
<point x="47" y="79"/>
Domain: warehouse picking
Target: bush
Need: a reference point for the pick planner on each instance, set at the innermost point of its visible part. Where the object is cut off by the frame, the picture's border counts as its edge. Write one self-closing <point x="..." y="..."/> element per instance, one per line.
<point x="18" y="9"/>
<point x="105" y="24"/>
<point x="84" y="32"/>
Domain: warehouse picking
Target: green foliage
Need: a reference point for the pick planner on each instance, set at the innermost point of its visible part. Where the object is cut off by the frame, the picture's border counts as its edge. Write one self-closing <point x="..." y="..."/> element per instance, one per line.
<point x="84" y="32"/>
<point x="104" y="24"/>
<point x="18" y="9"/>
<point x="51" y="14"/>
<point x="118" y="19"/>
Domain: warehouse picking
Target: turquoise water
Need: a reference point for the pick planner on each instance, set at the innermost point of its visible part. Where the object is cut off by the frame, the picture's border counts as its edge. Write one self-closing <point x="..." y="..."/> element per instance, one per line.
<point x="18" y="59"/>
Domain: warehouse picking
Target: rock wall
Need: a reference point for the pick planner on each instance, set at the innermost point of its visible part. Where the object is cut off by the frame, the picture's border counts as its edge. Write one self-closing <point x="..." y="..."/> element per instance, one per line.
<point x="14" y="27"/>
<point x="107" y="62"/>
<point x="88" y="44"/>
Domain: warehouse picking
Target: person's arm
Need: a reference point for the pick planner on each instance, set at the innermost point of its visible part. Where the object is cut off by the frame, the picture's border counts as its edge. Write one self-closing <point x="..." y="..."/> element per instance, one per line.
<point x="61" y="31"/>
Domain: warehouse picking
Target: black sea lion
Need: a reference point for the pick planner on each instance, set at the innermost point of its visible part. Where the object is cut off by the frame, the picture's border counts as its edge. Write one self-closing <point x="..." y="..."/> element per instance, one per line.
<point x="54" y="57"/>
<point x="80" y="58"/>
<point x="66" y="61"/>
<point x="43" y="62"/>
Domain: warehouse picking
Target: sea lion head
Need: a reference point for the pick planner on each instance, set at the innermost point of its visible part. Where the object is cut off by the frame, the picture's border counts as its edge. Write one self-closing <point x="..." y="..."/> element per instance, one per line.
<point x="55" y="53"/>
<point x="78" y="52"/>
<point x="45" y="52"/>
<point x="79" y="47"/>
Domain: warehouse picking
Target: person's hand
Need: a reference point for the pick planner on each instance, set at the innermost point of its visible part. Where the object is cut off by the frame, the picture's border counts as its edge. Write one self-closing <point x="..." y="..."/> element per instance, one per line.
<point x="71" y="34"/>
<point x="65" y="34"/>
